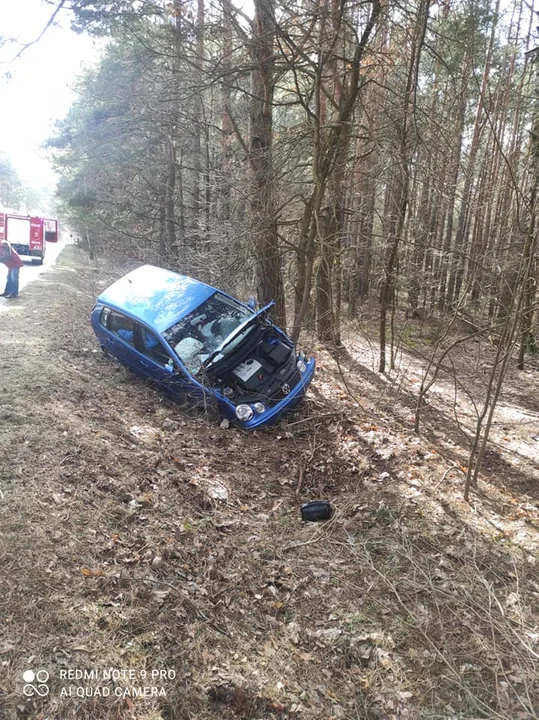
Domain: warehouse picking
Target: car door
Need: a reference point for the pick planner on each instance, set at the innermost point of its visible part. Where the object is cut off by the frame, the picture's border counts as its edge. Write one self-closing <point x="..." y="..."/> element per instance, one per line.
<point x="156" y="363"/>
<point x="119" y="341"/>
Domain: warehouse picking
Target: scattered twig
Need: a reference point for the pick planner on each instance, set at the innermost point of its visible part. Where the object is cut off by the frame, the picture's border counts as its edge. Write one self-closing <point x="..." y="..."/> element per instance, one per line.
<point x="446" y="473"/>
<point x="300" y="481"/>
<point x="192" y="606"/>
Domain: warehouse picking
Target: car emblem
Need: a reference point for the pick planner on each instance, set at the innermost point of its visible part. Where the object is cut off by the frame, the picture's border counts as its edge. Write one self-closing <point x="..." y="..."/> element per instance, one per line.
<point x="285" y="388"/>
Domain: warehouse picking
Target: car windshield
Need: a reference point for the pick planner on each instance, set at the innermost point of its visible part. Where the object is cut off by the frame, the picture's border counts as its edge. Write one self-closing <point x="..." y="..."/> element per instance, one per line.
<point x="199" y="334"/>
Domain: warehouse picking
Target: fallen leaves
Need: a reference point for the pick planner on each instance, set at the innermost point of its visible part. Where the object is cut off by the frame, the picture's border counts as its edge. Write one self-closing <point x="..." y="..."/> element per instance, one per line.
<point x="91" y="572"/>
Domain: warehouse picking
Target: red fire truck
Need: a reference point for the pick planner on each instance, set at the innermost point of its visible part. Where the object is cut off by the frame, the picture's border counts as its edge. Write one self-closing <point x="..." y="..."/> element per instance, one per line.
<point x="28" y="235"/>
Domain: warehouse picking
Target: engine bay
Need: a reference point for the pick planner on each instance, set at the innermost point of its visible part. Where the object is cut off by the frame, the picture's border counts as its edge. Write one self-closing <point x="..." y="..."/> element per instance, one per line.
<point x="266" y="373"/>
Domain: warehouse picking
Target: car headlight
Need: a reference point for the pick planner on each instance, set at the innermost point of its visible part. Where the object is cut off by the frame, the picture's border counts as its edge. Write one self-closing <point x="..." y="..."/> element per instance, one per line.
<point x="259" y="407"/>
<point x="301" y="366"/>
<point x="244" y="412"/>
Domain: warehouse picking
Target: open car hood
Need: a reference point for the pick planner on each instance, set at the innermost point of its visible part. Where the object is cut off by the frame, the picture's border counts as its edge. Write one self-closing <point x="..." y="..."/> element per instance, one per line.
<point x="217" y="355"/>
<point x="262" y="310"/>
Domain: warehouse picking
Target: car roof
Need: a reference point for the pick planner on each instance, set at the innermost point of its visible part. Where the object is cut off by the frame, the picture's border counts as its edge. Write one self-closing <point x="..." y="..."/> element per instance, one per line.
<point x="156" y="296"/>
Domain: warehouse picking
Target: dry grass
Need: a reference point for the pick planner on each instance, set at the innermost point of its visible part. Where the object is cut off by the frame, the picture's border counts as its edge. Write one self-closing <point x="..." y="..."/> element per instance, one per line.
<point x="116" y="554"/>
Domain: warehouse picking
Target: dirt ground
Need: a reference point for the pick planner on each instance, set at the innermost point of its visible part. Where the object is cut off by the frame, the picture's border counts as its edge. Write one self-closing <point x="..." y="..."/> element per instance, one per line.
<point x="154" y="565"/>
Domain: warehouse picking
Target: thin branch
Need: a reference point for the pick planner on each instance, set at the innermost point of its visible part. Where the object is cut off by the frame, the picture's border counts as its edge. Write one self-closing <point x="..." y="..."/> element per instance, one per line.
<point x="47" y="26"/>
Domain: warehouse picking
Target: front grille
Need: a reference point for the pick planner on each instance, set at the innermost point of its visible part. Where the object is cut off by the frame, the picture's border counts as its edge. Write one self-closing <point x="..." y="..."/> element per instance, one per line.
<point x="291" y="378"/>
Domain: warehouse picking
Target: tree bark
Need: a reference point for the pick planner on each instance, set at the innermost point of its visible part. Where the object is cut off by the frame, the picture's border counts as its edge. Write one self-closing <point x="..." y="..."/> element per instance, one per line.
<point x="399" y="188"/>
<point x="268" y="259"/>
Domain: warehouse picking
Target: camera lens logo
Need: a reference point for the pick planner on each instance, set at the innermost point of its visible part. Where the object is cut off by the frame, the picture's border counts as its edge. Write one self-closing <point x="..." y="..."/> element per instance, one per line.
<point x="36" y="683"/>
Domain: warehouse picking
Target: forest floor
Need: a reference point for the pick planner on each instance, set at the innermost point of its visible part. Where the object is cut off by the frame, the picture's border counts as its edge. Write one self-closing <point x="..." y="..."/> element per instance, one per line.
<point x="154" y="565"/>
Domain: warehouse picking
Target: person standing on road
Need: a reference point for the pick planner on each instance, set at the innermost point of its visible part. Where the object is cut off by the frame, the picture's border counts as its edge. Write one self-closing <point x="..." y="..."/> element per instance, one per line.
<point x="13" y="262"/>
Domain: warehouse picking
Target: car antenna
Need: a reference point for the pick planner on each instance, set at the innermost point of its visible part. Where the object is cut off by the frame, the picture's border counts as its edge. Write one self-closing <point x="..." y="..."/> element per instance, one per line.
<point x="126" y="276"/>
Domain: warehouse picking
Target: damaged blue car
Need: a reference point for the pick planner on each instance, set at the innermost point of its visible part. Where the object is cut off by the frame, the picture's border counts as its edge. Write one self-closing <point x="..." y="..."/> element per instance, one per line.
<point x="201" y="346"/>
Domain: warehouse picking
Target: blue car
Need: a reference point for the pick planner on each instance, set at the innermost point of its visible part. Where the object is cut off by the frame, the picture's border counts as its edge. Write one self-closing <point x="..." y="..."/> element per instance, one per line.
<point x="201" y="346"/>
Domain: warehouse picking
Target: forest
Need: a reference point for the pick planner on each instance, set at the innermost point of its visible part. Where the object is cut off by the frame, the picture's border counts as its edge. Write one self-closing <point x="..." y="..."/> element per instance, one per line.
<point x="372" y="166"/>
<point x="336" y="157"/>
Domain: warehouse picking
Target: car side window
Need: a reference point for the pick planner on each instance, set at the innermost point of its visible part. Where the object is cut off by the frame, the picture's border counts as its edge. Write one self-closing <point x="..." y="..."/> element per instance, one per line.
<point x="150" y="345"/>
<point x="104" y="318"/>
<point x="122" y="326"/>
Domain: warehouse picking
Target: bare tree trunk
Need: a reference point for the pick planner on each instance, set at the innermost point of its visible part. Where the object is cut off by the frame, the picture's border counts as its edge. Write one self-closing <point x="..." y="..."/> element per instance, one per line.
<point x="456" y="276"/>
<point x="449" y="248"/>
<point x="198" y="155"/>
<point x="527" y="335"/>
<point x="170" y="203"/>
<point x="330" y="145"/>
<point x="227" y="126"/>
<point x="333" y="218"/>
<point x="172" y="245"/>
<point x="268" y="260"/>
<point x="516" y="322"/>
<point x="361" y="250"/>
<point x="398" y="192"/>
<point x="365" y="174"/>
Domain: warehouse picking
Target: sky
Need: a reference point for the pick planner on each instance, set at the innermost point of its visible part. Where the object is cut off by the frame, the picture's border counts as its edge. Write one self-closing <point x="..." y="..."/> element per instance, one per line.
<point x="38" y="87"/>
